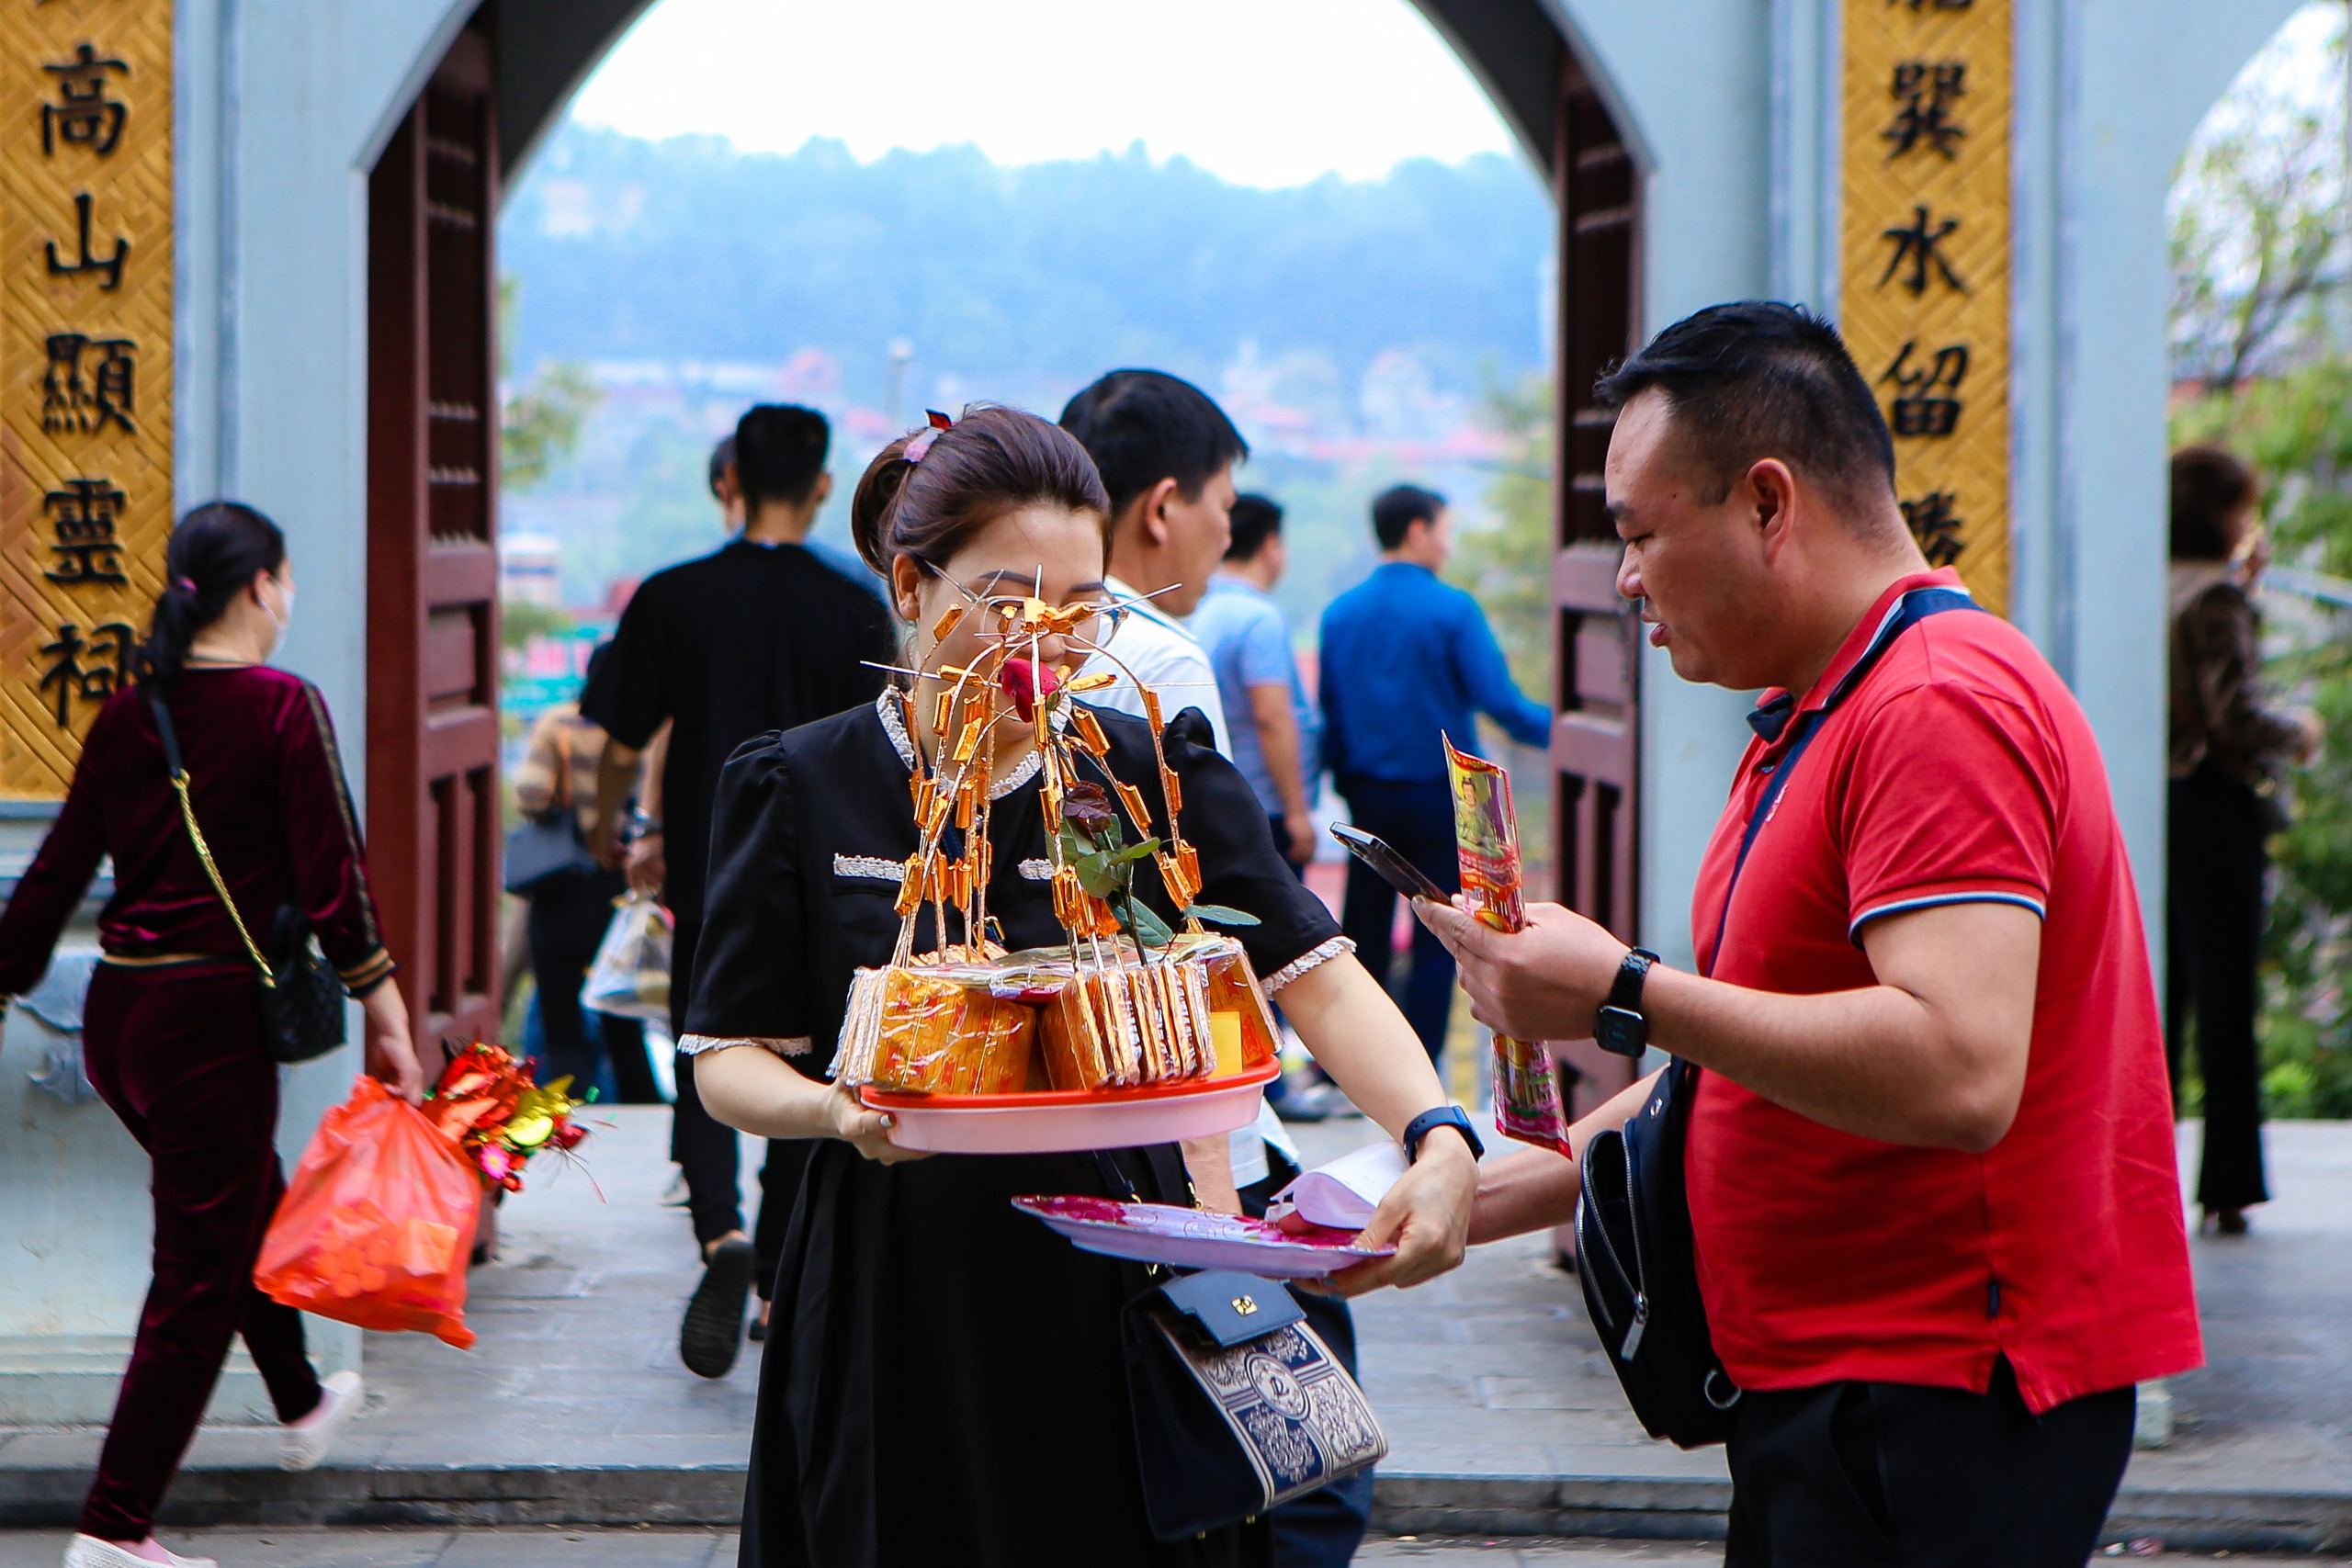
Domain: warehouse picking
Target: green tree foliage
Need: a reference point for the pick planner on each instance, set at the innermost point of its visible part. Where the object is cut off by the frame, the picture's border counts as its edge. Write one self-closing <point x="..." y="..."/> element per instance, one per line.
<point x="1508" y="564"/>
<point x="538" y="424"/>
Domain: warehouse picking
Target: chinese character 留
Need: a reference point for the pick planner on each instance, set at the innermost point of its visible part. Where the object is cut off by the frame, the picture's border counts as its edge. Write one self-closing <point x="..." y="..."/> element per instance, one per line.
<point x="110" y="267"/>
<point x="85" y="516"/>
<point x="1919" y="247"/>
<point x="90" y="383"/>
<point x="1926" y="399"/>
<point x="1936" y="525"/>
<point x="1925" y="93"/>
<point x="68" y="677"/>
<point x="83" y="115"/>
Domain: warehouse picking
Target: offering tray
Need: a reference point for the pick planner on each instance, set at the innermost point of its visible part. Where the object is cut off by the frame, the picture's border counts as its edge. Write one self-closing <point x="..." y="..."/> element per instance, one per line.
<point x="1072" y="1120"/>
<point x="1190" y="1238"/>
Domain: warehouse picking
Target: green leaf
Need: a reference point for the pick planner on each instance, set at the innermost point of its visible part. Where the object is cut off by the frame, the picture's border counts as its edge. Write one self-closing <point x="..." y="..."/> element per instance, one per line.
<point x="1218" y="915"/>
<point x="1098" y="876"/>
<point x="1145" y="926"/>
<point x="1144" y="851"/>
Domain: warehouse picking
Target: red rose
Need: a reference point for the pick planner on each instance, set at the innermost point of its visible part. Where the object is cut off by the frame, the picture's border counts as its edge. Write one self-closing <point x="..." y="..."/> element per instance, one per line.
<point x="1025" y="682"/>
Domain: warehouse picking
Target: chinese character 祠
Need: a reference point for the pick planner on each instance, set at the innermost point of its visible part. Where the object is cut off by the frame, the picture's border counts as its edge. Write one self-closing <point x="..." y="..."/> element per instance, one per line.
<point x="74" y="404"/>
<point x="1936" y="525"/>
<point x="1920" y="248"/>
<point x="83" y="115"/>
<point x="1925" y="93"/>
<point x="1926" y="403"/>
<point x="85" y="516"/>
<point x="111" y="266"/>
<point x="67" y="676"/>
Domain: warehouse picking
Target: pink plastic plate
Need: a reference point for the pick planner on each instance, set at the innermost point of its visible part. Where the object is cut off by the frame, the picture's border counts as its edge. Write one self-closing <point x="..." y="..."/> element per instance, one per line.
<point x="1189" y="1239"/>
<point x="1064" y="1122"/>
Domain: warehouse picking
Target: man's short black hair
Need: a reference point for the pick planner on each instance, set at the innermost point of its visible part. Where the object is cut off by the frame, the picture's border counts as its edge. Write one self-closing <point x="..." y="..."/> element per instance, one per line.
<point x="1143" y="426"/>
<point x="1256" y="519"/>
<point x="722" y="457"/>
<point x="1762" y="379"/>
<point x="1397" y="509"/>
<point x="779" y="452"/>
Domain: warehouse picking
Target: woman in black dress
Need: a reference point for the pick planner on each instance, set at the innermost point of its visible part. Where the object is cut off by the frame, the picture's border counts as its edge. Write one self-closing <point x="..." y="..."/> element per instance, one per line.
<point x="944" y="1382"/>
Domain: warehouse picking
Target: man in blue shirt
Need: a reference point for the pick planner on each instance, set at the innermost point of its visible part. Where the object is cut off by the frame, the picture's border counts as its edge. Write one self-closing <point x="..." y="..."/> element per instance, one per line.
<point x="1266" y="712"/>
<point x="1408" y="660"/>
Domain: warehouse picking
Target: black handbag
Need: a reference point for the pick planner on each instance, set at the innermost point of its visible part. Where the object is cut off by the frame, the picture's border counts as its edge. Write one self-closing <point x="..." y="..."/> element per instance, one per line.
<point x="300" y="995"/>
<point x="548" y="846"/>
<point x="1635" y="1256"/>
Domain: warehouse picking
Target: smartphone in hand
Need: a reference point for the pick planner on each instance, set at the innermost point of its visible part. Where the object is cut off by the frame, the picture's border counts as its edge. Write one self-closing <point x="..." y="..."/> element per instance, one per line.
<point x="1395" y="869"/>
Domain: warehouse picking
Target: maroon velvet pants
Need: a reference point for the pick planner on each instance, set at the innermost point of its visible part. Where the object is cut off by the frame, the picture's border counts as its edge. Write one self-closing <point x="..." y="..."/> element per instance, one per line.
<point x="179" y="1057"/>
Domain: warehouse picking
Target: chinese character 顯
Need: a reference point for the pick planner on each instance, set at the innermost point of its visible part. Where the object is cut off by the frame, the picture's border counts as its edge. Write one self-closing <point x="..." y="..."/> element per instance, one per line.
<point x="1936" y="525"/>
<point x="110" y="265"/>
<point x="70" y="404"/>
<point x="84" y="516"/>
<point x="83" y="115"/>
<point x="1924" y="401"/>
<point x="1920" y="247"/>
<point x="1925" y="93"/>
<point x="67" y="677"/>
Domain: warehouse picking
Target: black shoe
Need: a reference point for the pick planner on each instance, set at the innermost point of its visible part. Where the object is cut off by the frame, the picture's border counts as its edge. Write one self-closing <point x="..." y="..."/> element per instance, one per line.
<point x="714" y="1322"/>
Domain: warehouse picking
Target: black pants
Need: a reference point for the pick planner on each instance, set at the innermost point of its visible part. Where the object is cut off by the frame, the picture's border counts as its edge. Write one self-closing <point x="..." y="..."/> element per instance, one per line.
<point x="1417" y="821"/>
<point x="707" y="1150"/>
<point x="2213" y="943"/>
<point x="1860" y="1474"/>
<point x="568" y="917"/>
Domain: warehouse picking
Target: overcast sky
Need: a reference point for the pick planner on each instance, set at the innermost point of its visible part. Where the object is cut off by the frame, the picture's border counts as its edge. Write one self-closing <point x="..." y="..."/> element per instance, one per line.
<point x="1261" y="91"/>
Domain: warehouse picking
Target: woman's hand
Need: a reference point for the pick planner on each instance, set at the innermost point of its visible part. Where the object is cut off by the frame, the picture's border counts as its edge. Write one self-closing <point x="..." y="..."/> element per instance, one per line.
<point x="1426" y="1215"/>
<point x="390" y="1053"/>
<point x="868" y="1130"/>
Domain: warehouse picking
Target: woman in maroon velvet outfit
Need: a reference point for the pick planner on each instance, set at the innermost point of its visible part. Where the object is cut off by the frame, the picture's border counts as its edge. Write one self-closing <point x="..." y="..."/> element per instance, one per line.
<point x="172" y="1033"/>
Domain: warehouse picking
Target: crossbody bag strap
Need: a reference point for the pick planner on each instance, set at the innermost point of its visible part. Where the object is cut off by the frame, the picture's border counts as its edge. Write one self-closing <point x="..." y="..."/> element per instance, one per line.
<point x="178" y="769"/>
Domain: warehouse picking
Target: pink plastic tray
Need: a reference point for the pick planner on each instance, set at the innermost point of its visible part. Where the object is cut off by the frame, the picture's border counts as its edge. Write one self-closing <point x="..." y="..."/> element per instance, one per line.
<point x="1189" y="1239"/>
<point x="1073" y="1120"/>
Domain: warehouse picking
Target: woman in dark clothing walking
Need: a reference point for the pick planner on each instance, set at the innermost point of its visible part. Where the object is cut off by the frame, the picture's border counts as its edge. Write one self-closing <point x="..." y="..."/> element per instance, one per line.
<point x="172" y="1028"/>
<point x="2227" y="748"/>
<point x="944" y="1382"/>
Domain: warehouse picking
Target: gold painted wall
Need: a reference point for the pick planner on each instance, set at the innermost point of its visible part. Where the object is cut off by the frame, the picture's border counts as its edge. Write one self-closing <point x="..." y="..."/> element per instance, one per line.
<point x="1925" y="263"/>
<point x="85" y="363"/>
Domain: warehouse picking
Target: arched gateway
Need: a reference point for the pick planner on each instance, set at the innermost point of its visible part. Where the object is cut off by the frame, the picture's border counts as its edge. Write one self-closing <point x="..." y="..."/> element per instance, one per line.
<point x="335" y="167"/>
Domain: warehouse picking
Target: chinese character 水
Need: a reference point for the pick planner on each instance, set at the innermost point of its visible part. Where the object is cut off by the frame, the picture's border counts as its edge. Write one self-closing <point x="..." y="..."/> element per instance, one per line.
<point x="85" y="516"/>
<point x="110" y="265"/>
<point x="67" y="677"/>
<point x="74" y="403"/>
<point x="1925" y="93"/>
<point x="1936" y="525"/>
<point x="1926" y="399"/>
<point x="1920" y="247"/>
<point x="83" y="115"/>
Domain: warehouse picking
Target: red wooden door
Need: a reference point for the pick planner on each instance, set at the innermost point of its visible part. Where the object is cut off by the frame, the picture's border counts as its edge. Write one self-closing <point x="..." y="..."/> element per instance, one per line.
<point x="433" y="800"/>
<point x="1596" y="744"/>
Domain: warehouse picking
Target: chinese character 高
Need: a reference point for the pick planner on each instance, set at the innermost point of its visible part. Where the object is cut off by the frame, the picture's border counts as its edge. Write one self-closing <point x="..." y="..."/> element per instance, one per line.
<point x="1919" y="247"/>
<point x="109" y="266"/>
<point x="1926" y="399"/>
<point x="67" y="677"/>
<point x="83" y="115"/>
<point x="85" y="516"/>
<point x="72" y="403"/>
<point x="1925" y="93"/>
<point x="1936" y="525"/>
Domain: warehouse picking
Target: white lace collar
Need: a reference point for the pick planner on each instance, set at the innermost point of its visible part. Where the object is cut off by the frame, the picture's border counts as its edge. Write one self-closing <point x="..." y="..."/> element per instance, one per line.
<point x="894" y="725"/>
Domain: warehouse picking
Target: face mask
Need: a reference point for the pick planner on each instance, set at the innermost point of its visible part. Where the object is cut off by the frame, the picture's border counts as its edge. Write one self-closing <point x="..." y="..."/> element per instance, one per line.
<point x="283" y="617"/>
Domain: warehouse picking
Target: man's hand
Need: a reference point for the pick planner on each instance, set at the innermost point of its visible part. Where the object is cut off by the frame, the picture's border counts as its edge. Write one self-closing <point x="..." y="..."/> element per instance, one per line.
<point x="1426" y="1214"/>
<point x="647" y="866"/>
<point x="1544" y="983"/>
<point x="1301" y="829"/>
<point x="605" y="843"/>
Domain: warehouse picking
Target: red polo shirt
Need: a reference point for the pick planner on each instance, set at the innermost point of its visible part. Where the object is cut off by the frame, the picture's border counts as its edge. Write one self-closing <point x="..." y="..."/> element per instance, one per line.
<point x="1958" y="769"/>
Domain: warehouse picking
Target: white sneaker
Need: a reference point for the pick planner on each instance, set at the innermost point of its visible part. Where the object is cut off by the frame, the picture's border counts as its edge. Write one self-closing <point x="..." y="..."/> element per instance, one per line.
<point x="89" y="1551"/>
<point x="306" y="1442"/>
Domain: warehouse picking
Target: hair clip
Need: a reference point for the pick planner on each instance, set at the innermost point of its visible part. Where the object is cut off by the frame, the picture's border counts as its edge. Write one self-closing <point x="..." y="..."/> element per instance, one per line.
<point x="186" y="582"/>
<point x="922" y="443"/>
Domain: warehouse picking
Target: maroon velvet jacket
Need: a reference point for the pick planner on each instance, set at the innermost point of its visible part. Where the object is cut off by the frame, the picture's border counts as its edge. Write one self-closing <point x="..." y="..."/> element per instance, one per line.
<point x="268" y="791"/>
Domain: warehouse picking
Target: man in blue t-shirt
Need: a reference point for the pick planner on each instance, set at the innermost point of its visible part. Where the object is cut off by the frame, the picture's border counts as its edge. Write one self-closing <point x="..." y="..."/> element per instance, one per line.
<point x="1408" y="660"/>
<point x="1274" y="728"/>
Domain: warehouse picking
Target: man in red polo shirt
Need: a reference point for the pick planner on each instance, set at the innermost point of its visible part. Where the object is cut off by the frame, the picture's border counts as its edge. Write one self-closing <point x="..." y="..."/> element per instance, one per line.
<point x="1930" y="1161"/>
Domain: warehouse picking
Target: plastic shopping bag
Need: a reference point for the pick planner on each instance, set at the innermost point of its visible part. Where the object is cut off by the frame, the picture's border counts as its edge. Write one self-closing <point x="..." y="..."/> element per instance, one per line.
<point x="630" y="977"/>
<point x="377" y="1224"/>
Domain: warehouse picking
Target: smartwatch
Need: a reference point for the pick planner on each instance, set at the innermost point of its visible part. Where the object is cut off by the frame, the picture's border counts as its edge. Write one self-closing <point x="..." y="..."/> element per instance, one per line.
<point x="1620" y="1025"/>
<point x="1452" y="1116"/>
<point x="642" y="826"/>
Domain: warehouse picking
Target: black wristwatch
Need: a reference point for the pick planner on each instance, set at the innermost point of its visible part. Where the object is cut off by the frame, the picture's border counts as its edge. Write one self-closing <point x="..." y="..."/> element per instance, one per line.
<point x="1452" y="1116"/>
<point x="1620" y="1025"/>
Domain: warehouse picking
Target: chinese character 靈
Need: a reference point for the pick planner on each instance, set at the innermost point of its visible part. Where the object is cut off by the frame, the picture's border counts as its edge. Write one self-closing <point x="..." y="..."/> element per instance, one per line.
<point x="85" y="516"/>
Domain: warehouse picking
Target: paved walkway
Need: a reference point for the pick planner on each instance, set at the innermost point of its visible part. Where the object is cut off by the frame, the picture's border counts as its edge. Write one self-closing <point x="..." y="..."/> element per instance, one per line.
<point x="574" y="1409"/>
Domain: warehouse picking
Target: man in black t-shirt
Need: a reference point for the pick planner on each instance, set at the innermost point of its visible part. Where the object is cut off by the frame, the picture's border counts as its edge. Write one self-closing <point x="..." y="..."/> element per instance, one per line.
<point x="761" y="635"/>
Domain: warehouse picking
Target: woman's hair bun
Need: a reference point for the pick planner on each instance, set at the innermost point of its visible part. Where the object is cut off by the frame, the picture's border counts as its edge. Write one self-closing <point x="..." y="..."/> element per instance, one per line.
<point x="993" y="461"/>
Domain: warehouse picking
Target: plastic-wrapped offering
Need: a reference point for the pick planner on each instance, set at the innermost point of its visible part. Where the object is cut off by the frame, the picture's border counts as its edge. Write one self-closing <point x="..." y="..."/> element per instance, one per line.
<point x="934" y="1030"/>
<point x="1486" y="838"/>
<point x="1126" y="1027"/>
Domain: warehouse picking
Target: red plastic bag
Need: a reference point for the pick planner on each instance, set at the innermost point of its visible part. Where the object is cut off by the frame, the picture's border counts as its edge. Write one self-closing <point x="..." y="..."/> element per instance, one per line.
<point x="377" y="1224"/>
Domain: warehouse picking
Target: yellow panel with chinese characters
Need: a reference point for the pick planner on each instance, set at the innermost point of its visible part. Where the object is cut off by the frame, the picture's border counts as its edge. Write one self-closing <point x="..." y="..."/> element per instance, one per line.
<point x="85" y="365"/>
<point x="1925" y="256"/>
